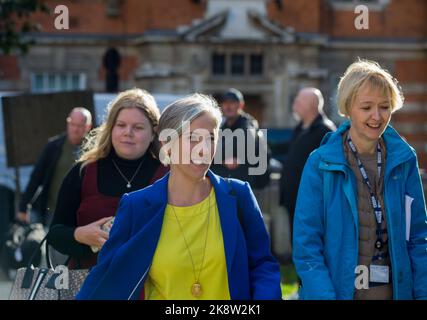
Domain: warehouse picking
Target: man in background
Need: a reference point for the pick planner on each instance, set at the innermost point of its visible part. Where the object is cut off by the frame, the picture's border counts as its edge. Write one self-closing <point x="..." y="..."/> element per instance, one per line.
<point x="306" y="137"/>
<point x="237" y="166"/>
<point x="57" y="157"/>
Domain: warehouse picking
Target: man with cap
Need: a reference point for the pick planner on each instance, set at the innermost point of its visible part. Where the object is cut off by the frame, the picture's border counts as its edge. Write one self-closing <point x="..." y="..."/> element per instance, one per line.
<point x="232" y="109"/>
<point x="235" y="119"/>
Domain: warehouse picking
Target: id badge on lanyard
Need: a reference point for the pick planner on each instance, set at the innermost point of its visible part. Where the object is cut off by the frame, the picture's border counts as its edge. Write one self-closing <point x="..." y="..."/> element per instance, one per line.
<point x="379" y="274"/>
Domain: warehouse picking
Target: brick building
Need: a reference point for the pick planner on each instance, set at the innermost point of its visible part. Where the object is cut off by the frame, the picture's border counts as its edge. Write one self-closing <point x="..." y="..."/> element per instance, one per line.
<point x="266" y="48"/>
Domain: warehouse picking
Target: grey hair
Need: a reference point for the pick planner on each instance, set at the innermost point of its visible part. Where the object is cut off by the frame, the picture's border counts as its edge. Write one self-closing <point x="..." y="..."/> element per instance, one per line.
<point x="85" y="112"/>
<point x="187" y="109"/>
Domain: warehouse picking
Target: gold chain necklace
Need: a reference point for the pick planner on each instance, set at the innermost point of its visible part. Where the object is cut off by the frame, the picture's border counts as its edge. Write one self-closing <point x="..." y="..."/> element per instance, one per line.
<point x="128" y="185"/>
<point x="196" y="287"/>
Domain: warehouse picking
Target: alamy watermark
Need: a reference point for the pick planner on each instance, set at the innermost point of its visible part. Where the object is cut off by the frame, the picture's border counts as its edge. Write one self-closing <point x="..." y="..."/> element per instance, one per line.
<point x="361" y="22"/>
<point x="62" y="21"/>
<point x="240" y="146"/>
<point x="62" y="280"/>
<point x="362" y="279"/>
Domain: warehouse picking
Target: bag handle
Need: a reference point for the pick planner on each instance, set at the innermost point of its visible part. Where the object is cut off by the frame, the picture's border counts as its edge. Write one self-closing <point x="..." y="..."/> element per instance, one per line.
<point x="49" y="261"/>
<point x="29" y="272"/>
<point x="33" y="256"/>
<point x="34" y="197"/>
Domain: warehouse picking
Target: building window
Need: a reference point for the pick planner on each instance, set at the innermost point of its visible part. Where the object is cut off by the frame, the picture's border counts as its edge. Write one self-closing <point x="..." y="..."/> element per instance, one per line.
<point x="113" y="8"/>
<point x="256" y="64"/>
<point x="237" y="64"/>
<point x="51" y="82"/>
<point x="218" y="64"/>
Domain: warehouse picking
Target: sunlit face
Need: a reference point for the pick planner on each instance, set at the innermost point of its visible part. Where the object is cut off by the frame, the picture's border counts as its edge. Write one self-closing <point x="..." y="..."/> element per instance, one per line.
<point x="230" y="109"/>
<point x="370" y="114"/>
<point x="299" y="106"/>
<point x="303" y="106"/>
<point x="193" y="152"/>
<point x="77" y="127"/>
<point x="132" y="134"/>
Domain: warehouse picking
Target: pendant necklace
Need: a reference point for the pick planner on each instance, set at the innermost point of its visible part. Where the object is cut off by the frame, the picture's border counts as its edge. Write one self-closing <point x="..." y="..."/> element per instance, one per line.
<point x="196" y="288"/>
<point x="129" y="182"/>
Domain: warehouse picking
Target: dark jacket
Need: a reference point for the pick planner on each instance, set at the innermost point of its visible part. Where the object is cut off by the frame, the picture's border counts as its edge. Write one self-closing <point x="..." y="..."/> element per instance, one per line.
<point x="302" y="143"/>
<point x="250" y="126"/>
<point x="42" y="174"/>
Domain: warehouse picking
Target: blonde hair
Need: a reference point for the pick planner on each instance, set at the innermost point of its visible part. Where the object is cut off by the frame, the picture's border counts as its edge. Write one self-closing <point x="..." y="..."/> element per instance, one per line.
<point x="370" y="72"/>
<point x="98" y="143"/>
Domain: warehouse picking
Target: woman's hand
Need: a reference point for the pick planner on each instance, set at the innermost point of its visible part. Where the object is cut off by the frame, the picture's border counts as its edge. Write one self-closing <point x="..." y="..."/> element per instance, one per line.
<point x="92" y="234"/>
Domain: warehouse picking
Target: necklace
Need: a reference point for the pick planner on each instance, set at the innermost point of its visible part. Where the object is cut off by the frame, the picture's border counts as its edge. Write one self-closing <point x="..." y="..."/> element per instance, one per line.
<point x="129" y="182"/>
<point x="196" y="287"/>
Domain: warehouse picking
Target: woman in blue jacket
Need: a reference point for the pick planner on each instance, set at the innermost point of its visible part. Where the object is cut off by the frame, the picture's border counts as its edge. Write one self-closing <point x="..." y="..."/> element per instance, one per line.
<point x="360" y="221"/>
<point x="192" y="234"/>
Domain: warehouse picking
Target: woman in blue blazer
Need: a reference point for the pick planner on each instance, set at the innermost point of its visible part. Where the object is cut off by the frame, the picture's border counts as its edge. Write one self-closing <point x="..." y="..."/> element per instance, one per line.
<point x="192" y="234"/>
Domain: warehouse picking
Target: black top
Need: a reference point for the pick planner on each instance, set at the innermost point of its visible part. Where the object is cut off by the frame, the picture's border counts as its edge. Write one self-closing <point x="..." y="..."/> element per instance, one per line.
<point x="245" y="121"/>
<point x="302" y="143"/>
<point x="109" y="182"/>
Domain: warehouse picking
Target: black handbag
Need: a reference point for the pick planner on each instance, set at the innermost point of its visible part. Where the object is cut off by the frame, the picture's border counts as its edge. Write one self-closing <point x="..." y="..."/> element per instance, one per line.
<point x="59" y="283"/>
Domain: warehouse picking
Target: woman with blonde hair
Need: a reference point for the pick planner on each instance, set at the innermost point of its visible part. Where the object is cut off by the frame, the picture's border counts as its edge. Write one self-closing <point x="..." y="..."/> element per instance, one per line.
<point x="191" y="235"/>
<point x="360" y="227"/>
<point x="118" y="157"/>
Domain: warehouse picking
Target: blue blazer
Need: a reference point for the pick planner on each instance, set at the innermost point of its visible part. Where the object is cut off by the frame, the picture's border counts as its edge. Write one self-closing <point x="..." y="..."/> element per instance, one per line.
<point x="125" y="259"/>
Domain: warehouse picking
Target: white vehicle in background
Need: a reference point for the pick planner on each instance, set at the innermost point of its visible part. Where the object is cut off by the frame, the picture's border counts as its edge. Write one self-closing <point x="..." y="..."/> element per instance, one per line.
<point x="101" y="101"/>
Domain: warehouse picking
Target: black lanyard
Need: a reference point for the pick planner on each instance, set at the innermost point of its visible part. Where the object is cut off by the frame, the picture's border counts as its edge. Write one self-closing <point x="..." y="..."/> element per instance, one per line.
<point x="376" y="205"/>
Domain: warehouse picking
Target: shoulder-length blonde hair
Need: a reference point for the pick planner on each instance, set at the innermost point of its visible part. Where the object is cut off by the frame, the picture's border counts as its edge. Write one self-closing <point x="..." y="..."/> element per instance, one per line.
<point x="98" y="143"/>
<point x="370" y="72"/>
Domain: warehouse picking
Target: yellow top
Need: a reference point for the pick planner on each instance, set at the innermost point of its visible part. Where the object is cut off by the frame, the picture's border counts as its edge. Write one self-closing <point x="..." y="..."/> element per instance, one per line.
<point x="171" y="274"/>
